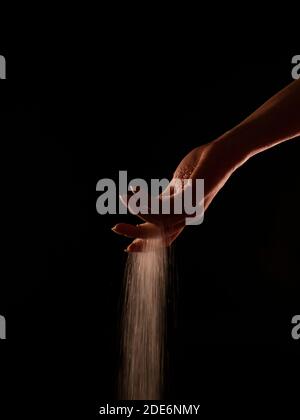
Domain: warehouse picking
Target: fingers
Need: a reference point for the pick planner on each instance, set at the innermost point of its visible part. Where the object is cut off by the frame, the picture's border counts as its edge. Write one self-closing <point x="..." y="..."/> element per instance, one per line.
<point x="146" y="230"/>
<point x="143" y="211"/>
<point x="157" y="210"/>
<point x="166" y="224"/>
<point x="140" y="245"/>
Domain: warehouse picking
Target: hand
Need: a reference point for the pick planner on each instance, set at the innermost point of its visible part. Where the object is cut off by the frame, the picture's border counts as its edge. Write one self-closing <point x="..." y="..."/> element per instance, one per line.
<point x="212" y="162"/>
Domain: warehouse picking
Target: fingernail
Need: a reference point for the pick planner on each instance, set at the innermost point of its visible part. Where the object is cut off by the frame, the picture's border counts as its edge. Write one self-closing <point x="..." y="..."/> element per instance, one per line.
<point x="126" y="250"/>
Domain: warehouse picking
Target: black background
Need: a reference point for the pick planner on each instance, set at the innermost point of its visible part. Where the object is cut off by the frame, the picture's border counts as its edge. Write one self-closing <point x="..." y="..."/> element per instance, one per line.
<point x="140" y="104"/>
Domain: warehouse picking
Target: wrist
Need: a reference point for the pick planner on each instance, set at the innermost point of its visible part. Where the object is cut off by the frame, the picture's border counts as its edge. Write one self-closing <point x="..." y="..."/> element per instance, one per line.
<point x="232" y="146"/>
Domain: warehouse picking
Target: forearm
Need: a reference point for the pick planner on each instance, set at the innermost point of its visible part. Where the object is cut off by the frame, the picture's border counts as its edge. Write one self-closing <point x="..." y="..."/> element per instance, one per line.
<point x="275" y="121"/>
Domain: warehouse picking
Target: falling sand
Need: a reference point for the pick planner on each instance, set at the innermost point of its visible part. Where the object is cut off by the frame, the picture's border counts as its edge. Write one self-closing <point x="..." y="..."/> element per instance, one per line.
<point x="143" y="323"/>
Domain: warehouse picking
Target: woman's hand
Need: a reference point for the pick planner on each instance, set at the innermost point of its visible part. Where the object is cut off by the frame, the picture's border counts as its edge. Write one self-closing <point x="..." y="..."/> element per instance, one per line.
<point x="212" y="162"/>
